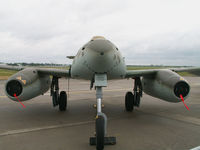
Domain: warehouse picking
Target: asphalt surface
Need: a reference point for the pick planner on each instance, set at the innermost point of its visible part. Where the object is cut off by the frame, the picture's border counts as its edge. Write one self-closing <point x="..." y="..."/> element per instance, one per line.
<point x="156" y="125"/>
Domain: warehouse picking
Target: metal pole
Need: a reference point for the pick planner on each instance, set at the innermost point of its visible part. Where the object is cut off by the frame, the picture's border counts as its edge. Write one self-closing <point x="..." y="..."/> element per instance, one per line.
<point x="99" y="98"/>
<point x="98" y="105"/>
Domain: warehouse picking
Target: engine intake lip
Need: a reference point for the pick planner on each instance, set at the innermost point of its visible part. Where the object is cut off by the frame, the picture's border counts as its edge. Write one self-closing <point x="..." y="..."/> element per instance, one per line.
<point x="14" y="87"/>
<point x="182" y="88"/>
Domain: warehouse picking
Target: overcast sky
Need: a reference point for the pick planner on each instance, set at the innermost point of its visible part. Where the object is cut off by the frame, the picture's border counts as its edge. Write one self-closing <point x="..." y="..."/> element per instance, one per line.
<point x="145" y="31"/>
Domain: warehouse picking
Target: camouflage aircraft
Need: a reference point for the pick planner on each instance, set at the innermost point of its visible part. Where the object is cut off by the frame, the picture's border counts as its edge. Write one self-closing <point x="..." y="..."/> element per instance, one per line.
<point x="98" y="60"/>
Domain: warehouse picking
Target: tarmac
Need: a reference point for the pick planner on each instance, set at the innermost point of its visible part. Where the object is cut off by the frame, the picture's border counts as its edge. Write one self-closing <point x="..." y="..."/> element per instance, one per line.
<point x="155" y="125"/>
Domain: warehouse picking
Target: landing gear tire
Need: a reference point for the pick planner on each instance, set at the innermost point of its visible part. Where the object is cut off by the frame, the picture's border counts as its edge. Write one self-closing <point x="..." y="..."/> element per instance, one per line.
<point x="63" y="101"/>
<point x="100" y="130"/>
<point x="129" y="101"/>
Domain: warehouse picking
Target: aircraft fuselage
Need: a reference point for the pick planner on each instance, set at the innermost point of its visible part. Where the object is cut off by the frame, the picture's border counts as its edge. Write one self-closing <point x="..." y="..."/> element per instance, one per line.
<point x="98" y="56"/>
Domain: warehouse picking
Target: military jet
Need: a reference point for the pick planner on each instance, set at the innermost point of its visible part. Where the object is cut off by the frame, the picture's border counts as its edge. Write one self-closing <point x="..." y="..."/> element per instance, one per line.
<point x="98" y="61"/>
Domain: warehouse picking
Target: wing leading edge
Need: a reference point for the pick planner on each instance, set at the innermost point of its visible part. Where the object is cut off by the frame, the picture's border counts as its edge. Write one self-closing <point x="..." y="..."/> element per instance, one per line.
<point x="139" y="73"/>
<point x="192" y="70"/>
<point x="44" y="71"/>
<point x="17" y="68"/>
<point x="129" y="73"/>
<point x="150" y="72"/>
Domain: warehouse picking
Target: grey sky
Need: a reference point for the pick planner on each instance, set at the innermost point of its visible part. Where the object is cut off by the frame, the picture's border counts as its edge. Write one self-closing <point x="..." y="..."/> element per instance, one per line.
<point x="145" y="31"/>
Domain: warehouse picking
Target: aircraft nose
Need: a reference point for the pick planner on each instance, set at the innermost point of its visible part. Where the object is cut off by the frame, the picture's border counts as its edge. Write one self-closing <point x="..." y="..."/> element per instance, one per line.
<point x="100" y="46"/>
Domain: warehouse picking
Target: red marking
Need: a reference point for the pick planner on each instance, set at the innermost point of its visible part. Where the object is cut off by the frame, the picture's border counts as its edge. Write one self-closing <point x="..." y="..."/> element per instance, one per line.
<point x="19" y="100"/>
<point x="183" y="101"/>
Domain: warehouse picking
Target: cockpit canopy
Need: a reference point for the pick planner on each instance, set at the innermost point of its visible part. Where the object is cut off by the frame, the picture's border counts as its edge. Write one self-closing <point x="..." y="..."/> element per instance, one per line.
<point x="98" y="38"/>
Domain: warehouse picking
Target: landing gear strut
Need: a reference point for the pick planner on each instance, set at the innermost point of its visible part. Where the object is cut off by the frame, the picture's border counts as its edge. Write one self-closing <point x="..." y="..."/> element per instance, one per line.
<point x="101" y="120"/>
<point x="133" y="99"/>
<point x="58" y="99"/>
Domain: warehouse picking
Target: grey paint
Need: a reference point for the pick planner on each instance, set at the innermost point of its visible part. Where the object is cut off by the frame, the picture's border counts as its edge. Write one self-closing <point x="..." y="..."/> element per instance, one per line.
<point x="162" y="84"/>
<point x="33" y="84"/>
<point x="98" y="56"/>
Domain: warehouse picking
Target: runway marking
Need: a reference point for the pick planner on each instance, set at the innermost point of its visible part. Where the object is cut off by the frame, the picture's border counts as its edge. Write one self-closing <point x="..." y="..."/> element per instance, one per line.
<point x="196" y="84"/>
<point x="177" y="117"/>
<point x="3" y="96"/>
<point x="19" y="131"/>
<point x="27" y="130"/>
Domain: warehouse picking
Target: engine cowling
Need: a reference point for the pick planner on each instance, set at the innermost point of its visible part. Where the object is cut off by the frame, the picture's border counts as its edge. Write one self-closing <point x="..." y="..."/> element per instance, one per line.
<point x="27" y="84"/>
<point x="166" y="85"/>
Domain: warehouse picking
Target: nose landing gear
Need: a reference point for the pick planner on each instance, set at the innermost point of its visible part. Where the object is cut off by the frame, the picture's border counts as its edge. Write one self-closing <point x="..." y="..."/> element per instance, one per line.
<point x="101" y="120"/>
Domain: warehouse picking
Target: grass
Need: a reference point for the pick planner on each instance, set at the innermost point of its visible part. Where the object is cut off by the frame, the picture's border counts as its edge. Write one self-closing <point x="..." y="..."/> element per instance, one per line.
<point x="186" y="74"/>
<point x="5" y="72"/>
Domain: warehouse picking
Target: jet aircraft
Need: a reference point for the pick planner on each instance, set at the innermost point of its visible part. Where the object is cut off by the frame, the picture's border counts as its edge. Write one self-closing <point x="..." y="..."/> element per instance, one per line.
<point x="98" y="61"/>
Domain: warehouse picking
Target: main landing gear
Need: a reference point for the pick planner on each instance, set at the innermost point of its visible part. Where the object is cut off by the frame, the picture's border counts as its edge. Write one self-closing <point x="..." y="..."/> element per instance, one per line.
<point x="133" y="99"/>
<point x="58" y="99"/>
<point x="101" y="120"/>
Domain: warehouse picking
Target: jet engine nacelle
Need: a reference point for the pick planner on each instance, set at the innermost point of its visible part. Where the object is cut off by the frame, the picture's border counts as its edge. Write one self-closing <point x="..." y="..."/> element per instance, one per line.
<point x="27" y="84"/>
<point x="166" y="85"/>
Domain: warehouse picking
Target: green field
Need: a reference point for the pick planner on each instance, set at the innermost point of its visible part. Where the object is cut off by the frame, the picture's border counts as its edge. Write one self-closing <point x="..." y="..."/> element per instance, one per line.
<point x="4" y="73"/>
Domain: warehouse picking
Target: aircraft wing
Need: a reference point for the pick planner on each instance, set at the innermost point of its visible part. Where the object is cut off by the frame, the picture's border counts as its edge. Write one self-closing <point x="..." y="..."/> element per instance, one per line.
<point x="17" y="68"/>
<point x="54" y="72"/>
<point x="192" y="70"/>
<point x="149" y="72"/>
<point x="45" y="71"/>
<point x="139" y="73"/>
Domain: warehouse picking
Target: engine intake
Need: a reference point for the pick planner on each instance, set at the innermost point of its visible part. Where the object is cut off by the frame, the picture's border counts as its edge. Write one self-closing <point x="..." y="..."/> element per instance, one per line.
<point x="14" y="87"/>
<point x="181" y="88"/>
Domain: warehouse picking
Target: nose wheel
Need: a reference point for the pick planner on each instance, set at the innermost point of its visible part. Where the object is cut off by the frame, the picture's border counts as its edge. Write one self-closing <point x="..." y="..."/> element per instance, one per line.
<point x="100" y="130"/>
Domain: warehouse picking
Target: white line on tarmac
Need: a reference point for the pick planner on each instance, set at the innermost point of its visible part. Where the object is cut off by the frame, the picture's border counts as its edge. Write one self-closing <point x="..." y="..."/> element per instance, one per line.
<point x="19" y="131"/>
<point x="196" y="84"/>
<point x="178" y="117"/>
<point x="27" y="130"/>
